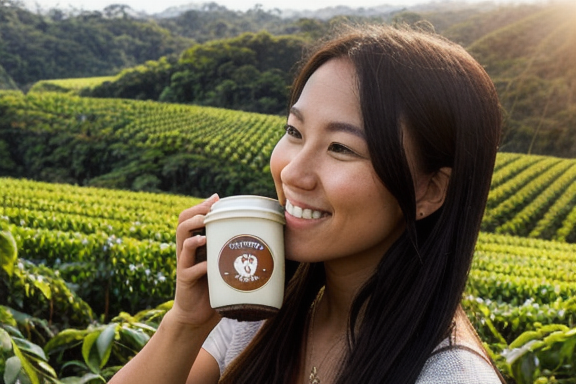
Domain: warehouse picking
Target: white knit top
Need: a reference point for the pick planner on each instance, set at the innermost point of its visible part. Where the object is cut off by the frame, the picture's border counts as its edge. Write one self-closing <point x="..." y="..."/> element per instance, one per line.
<point x="450" y="363"/>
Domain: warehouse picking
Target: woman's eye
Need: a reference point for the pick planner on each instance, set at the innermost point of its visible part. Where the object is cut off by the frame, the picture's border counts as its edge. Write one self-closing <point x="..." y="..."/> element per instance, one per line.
<point x="339" y="148"/>
<point x="291" y="131"/>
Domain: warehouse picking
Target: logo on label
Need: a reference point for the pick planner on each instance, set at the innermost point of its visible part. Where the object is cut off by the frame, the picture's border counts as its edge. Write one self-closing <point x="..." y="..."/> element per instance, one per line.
<point x="246" y="263"/>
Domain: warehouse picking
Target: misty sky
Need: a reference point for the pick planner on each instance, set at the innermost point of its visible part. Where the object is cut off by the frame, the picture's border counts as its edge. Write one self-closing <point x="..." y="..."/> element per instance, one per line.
<point x="155" y="6"/>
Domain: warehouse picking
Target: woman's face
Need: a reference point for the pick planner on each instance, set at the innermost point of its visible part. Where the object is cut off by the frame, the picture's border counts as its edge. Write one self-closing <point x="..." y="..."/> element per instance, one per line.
<point x="336" y="206"/>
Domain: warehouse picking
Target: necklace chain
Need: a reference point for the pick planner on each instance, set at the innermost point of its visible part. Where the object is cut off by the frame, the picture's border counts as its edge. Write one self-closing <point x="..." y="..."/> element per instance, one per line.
<point x="314" y="378"/>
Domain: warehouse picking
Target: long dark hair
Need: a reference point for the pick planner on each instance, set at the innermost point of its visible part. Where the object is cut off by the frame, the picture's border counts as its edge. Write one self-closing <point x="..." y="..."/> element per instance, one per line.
<point x="422" y="85"/>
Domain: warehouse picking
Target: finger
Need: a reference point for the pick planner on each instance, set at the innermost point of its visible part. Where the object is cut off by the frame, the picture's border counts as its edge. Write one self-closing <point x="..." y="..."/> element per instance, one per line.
<point x="187" y="229"/>
<point x="200" y="254"/>
<point x="195" y="273"/>
<point x="200" y="209"/>
<point x="187" y="256"/>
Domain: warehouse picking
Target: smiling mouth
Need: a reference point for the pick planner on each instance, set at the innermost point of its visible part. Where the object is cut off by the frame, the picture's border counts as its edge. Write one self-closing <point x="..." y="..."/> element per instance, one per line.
<point x="304" y="213"/>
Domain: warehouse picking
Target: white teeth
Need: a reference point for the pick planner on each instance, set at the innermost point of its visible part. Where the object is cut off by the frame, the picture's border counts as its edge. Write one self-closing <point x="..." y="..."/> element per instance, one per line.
<point x="289" y="207"/>
<point x="297" y="212"/>
<point x="302" y="213"/>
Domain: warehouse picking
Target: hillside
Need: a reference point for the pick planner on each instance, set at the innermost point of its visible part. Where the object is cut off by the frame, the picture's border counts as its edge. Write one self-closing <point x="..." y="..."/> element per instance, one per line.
<point x="250" y="72"/>
<point x="532" y="60"/>
<point x="144" y="146"/>
<point x="526" y="49"/>
<point x="533" y="196"/>
<point x="41" y="46"/>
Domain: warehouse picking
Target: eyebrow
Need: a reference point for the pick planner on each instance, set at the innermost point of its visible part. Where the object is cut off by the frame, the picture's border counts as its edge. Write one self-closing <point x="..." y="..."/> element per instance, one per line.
<point x="334" y="126"/>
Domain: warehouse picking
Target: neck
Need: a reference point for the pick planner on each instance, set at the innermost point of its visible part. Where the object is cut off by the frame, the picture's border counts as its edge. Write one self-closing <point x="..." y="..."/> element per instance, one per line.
<point x="343" y="283"/>
<point x="326" y="344"/>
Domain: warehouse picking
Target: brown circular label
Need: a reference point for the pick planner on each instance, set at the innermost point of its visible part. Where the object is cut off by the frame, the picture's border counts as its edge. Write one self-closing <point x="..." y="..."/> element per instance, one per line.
<point x="245" y="263"/>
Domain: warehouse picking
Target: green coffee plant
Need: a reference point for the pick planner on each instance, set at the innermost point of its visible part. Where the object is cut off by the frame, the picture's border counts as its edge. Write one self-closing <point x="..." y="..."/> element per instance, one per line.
<point x="109" y="272"/>
<point x="103" y="348"/>
<point x="547" y="354"/>
<point x="39" y="291"/>
<point x="500" y="323"/>
<point x="21" y="361"/>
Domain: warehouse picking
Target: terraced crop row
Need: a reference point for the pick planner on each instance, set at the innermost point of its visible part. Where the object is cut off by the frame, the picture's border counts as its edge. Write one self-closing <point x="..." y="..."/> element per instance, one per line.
<point x="149" y="208"/>
<point x="67" y="223"/>
<point x="225" y="134"/>
<point x="533" y="196"/>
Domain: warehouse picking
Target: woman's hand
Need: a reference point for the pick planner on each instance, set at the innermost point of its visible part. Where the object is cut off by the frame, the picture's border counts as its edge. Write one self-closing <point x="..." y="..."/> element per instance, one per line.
<point x="169" y="355"/>
<point x="191" y="303"/>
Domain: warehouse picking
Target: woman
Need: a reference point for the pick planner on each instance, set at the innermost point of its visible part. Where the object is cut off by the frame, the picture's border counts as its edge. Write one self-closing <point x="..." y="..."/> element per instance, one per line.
<point x="384" y="171"/>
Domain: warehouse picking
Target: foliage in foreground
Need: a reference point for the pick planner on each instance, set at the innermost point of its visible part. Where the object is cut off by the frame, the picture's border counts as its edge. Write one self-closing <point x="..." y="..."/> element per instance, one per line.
<point x="531" y="342"/>
<point x="34" y="350"/>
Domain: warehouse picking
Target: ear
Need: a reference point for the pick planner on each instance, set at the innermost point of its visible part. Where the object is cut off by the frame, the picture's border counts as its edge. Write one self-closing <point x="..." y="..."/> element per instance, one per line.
<point x="431" y="192"/>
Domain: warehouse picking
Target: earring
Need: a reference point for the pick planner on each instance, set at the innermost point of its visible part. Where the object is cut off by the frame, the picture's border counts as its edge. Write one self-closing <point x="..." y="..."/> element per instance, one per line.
<point x="421" y="214"/>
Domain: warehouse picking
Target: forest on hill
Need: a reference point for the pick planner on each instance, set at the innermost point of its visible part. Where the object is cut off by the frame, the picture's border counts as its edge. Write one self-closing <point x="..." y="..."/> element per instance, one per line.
<point x="35" y="46"/>
<point x="66" y="43"/>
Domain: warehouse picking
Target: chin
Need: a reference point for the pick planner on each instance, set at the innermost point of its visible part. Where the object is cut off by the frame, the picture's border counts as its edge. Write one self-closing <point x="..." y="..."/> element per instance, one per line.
<point x="302" y="257"/>
<point x="295" y="254"/>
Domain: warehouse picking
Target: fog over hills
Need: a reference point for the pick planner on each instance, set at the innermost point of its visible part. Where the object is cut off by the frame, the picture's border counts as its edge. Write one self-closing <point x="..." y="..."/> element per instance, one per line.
<point x="322" y="13"/>
<point x="340" y="10"/>
<point x="140" y="9"/>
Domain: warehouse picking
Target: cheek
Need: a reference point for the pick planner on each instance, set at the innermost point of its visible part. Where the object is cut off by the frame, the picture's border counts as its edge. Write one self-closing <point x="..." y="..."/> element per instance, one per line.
<point x="356" y="185"/>
<point x="278" y="161"/>
<point x="375" y="200"/>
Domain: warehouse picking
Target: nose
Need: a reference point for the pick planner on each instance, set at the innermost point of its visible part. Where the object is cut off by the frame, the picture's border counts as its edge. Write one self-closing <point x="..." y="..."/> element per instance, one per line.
<point x="300" y="170"/>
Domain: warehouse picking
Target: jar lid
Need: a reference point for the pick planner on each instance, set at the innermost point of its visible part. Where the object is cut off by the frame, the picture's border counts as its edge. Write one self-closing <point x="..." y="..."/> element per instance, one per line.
<point x="246" y="206"/>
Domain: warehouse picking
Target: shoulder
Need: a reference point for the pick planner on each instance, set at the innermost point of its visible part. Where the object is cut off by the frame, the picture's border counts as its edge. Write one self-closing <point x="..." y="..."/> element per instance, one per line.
<point x="229" y="338"/>
<point x="460" y="358"/>
<point x="242" y="334"/>
<point x="229" y="330"/>
<point x="458" y="364"/>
